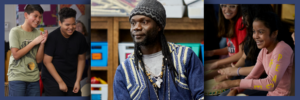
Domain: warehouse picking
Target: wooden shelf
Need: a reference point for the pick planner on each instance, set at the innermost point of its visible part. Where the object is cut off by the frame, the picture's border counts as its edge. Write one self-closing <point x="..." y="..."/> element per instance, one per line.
<point x="184" y="23"/>
<point x="100" y="22"/>
<point x="99" y="68"/>
<point x="102" y="30"/>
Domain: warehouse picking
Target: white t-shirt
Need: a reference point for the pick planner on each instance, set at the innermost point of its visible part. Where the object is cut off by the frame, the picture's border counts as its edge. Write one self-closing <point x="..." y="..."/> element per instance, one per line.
<point x="153" y="62"/>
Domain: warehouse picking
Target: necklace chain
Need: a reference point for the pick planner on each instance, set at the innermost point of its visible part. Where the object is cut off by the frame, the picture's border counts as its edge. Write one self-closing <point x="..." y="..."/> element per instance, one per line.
<point x="158" y="78"/>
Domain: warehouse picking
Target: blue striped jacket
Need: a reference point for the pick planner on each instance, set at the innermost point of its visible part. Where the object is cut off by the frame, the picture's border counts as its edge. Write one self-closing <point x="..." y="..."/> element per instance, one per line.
<point x="129" y="83"/>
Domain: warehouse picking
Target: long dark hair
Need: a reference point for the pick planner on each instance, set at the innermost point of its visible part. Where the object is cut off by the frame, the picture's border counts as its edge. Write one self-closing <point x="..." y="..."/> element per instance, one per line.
<point x="226" y="27"/>
<point x="271" y="21"/>
<point x="249" y="11"/>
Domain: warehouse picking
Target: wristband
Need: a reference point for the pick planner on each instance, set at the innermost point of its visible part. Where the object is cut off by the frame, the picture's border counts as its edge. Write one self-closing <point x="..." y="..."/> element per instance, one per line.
<point x="238" y="71"/>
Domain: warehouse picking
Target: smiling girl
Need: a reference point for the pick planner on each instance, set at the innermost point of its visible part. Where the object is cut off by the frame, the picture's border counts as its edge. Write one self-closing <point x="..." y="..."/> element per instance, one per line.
<point x="275" y="58"/>
<point x="229" y="26"/>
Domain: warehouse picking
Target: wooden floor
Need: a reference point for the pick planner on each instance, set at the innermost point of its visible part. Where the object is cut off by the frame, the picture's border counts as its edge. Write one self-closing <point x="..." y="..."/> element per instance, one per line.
<point x="6" y="89"/>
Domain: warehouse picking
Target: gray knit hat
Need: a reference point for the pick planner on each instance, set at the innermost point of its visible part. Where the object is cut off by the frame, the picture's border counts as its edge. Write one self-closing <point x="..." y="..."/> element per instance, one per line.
<point x="152" y="9"/>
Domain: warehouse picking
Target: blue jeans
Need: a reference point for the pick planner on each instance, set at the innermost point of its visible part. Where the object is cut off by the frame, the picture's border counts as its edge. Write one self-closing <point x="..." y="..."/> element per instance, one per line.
<point x="225" y="93"/>
<point x="223" y="42"/>
<point x="21" y="88"/>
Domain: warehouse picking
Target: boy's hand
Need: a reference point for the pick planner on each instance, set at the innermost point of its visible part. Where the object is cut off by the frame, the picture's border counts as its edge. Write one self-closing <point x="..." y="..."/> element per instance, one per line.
<point x="45" y="36"/>
<point x="38" y="40"/>
<point x="63" y="87"/>
<point x="76" y="87"/>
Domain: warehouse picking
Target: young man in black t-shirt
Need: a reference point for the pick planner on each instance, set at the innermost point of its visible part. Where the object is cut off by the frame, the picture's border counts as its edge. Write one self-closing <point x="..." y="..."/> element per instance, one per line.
<point x="64" y="57"/>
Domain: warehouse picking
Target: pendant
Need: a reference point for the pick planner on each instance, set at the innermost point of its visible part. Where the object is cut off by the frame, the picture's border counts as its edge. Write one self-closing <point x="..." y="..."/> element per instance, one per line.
<point x="158" y="82"/>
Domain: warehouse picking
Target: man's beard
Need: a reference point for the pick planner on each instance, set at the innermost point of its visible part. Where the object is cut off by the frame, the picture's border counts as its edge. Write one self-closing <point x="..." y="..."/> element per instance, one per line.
<point x="149" y="39"/>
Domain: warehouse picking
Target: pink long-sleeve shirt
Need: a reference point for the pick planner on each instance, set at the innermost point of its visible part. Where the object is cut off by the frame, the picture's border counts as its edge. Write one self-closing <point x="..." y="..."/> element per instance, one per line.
<point x="278" y="65"/>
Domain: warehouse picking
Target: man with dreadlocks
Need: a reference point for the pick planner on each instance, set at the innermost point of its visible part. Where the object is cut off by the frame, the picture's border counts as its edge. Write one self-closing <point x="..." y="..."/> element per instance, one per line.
<point x="157" y="70"/>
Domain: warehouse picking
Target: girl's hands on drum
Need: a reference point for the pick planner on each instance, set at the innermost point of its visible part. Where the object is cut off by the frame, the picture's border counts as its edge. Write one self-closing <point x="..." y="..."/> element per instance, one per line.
<point x="229" y="71"/>
<point x="228" y="84"/>
<point x="215" y="65"/>
<point x="221" y="78"/>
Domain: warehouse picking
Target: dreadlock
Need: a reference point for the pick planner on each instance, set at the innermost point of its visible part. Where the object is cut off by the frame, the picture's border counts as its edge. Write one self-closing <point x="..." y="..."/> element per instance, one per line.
<point x="167" y="58"/>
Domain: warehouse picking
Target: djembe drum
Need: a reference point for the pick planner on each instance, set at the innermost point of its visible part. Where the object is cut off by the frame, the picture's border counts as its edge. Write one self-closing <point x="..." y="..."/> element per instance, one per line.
<point x="208" y="91"/>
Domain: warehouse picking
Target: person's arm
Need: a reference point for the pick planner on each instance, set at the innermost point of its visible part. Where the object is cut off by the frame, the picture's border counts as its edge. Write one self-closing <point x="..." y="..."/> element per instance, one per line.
<point x="227" y="60"/>
<point x="119" y="85"/>
<point x="17" y="52"/>
<point x="80" y="68"/>
<point x="81" y="63"/>
<point x="228" y="72"/>
<point x="232" y="71"/>
<point x="245" y="70"/>
<point x="223" y="51"/>
<point x="232" y="58"/>
<point x="195" y="74"/>
<point x="50" y="47"/>
<point x="254" y="74"/>
<point x="280" y="61"/>
<point x="40" y="53"/>
<point x="241" y="61"/>
<point x="50" y="67"/>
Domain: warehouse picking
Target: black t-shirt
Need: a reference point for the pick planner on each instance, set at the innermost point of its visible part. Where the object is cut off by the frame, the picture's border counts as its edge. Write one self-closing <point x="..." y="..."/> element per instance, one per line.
<point x="248" y="62"/>
<point x="65" y="53"/>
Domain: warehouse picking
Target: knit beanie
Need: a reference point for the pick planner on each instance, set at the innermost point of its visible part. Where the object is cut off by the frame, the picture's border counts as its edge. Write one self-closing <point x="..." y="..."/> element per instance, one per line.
<point x="152" y="9"/>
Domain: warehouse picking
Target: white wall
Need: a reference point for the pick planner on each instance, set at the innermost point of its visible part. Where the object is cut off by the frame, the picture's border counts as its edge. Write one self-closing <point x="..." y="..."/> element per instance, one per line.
<point x="85" y="19"/>
<point x="10" y="17"/>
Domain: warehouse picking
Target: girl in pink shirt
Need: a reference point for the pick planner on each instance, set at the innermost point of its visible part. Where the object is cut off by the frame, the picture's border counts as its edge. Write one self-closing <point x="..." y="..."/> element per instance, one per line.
<point x="275" y="58"/>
